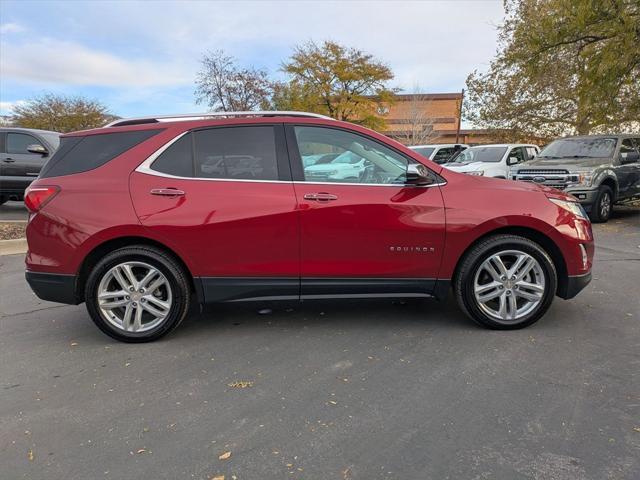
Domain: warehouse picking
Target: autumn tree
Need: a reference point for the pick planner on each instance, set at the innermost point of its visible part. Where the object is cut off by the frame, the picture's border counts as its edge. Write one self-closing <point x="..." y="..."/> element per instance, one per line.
<point x="60" y="113"/>
<point x="224" y="86"/>
<point x="563" y="67"/>
<point x="343" y="83"/>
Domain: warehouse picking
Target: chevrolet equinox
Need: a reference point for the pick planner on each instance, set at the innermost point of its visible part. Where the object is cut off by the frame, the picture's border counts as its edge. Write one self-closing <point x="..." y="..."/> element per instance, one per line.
<point x="140" y="217"/>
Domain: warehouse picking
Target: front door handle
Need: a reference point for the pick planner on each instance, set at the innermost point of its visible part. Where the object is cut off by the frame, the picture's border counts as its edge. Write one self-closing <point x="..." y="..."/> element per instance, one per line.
<point x="167" y="192"/>
<point x="9" y="160"/>
<point x="320" y="197"/>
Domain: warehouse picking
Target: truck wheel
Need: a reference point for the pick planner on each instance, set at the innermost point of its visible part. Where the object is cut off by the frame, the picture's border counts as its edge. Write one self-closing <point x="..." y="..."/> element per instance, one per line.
<point x="505" y="282"/>
<point x="3" y="199"/>
<point x="137" y="294"/>
<point x="601" y="208"/>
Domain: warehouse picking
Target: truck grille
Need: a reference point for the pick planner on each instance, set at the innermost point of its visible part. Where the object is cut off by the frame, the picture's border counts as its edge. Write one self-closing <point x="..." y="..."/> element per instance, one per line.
<point x="548" y="177"/>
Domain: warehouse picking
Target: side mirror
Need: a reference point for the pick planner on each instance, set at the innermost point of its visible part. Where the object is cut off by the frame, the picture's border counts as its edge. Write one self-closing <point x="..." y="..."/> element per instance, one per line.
<point x="629" y="157"/>
<point x="37" y="148"/>
<point x="418" y="174"/>
<point x="512" y="160"/>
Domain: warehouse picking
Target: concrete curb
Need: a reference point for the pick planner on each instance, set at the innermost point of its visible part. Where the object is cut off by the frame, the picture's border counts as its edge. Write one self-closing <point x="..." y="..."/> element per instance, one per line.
<point x="13" y="247"/>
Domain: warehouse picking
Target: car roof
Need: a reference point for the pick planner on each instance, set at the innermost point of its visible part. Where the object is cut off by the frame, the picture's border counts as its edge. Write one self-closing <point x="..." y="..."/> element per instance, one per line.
<point x="28" y="130"/>
<point x="505" y="145"/>
<point x="436" y="145"/>
<point x="612" y="135"/>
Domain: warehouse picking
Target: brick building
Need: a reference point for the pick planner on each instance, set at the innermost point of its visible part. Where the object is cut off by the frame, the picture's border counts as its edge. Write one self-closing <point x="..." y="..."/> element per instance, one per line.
<point x="424" y="118"/>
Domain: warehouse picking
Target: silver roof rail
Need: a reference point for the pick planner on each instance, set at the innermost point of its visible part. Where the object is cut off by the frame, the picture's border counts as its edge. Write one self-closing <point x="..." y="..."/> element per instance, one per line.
<point x="203" y="116"/>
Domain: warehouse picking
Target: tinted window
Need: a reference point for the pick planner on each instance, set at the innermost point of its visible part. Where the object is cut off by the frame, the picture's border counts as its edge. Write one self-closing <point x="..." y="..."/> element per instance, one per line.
<point x="358" y="160"/>
<point x="87" y="153"/>
<point x="481" y="154"/>
<point x="627" y="146"/>
<point x="177" y="159"/>
<point x="443" y="155"/>
<point x="243" y="153"/>
<point x="518" y="153"/>
<point x="424" y="151"/>
<point x="580" y="147"/>
<point x="18" y="143"/>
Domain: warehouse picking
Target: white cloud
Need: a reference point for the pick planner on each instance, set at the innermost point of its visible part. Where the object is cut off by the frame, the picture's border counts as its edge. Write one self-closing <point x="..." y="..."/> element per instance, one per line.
<point x="6" y="108"/>
<point x="7" y="28"/>
<point x="53" y="61"/>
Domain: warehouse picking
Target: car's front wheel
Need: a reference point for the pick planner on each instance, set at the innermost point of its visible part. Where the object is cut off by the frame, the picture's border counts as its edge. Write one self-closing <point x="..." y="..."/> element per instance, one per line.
<point x="603" y="205"/>
<point x="137" y="294"/>
<point x="506" y="282"/>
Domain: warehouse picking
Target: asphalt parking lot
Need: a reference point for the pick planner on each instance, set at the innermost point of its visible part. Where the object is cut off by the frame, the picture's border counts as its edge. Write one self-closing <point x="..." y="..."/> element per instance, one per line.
<point x="341" y="390"/>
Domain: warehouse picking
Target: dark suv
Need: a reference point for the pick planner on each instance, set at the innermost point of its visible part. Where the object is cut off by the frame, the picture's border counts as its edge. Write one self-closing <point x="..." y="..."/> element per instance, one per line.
<point x="599" y="170"/>
<point x="23" y="152"/>
<point x="138" y="218"/>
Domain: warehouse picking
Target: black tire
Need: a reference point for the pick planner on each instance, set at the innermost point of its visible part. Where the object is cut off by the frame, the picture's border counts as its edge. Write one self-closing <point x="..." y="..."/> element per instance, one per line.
<point x="602" y="206"/>
<point x="472" y="261"/>
<point x="177" y="278"/>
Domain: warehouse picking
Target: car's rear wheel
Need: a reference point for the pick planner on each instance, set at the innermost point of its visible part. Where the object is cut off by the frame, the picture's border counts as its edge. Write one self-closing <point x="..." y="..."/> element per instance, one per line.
<point x="506" y="282"/>
<point x="603" y="205"/>
<point x="137" y="294"/>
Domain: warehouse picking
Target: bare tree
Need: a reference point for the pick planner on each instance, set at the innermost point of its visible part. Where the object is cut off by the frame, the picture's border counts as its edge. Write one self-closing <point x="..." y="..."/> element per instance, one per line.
<point x="225" y="87"/>
<point x="417" y="126"/>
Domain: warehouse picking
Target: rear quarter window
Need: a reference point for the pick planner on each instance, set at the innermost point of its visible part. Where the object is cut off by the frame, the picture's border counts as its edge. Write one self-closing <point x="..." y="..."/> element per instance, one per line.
<point x="81" y="154"/>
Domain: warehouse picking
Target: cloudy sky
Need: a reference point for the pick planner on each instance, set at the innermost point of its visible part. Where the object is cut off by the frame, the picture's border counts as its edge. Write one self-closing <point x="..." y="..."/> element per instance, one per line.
<point x="141" y="58"/>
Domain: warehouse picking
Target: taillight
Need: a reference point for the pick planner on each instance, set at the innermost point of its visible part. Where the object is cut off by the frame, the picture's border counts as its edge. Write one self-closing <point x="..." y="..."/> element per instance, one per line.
<point x="37" y="197"/>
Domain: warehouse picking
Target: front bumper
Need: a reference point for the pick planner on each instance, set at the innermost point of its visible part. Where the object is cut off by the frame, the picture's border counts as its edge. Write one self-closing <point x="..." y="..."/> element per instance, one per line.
<point x="53" y="287"/>
<point x="574" y="285"/>
<point x="586" y="197"/>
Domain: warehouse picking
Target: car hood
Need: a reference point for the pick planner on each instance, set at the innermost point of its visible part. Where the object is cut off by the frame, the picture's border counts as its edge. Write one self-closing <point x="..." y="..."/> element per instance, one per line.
<point x="565" y="163"/>
<point x="511" y="185"/>
<point x="464" y="167"/>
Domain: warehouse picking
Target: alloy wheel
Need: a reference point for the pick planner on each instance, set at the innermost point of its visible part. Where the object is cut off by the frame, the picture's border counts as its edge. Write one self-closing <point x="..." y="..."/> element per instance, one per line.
<point x="509" y="285"/>
<point x="605" y="205"/>
<point x="134" y="297"/>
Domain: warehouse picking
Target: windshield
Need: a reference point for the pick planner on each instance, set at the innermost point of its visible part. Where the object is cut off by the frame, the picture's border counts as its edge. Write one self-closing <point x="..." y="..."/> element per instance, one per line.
<point x="579" y="148"/>
<point x="481" y="154"/>
<point x="424" y="151"/>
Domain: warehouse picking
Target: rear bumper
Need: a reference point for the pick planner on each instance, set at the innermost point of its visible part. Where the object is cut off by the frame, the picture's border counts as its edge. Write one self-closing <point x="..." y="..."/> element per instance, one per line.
<point x="574" y="285"/>
<point x="53" y="287"/>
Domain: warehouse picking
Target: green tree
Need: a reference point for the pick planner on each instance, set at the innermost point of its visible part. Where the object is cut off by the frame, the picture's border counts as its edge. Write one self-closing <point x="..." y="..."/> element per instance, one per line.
<point x="563" y="67"/>
<point x="344" y="83"/>
<point x="60" y="113"/>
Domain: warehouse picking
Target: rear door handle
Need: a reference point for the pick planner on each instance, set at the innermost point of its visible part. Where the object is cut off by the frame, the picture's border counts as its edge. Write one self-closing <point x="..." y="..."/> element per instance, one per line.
<point x="320" y="197"/>
<point x="9" y="160"/>
<point x="167" y="192"/>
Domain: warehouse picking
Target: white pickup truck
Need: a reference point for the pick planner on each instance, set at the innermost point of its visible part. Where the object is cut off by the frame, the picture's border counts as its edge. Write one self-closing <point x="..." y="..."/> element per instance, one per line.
<point x="441" y="153"/>
<point x="492" y="160"/>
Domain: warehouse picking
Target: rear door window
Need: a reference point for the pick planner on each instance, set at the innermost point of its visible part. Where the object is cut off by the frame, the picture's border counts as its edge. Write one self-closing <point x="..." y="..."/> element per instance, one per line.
<point x="81" y="154"/>
<point x="239" y="153"/>
<point x="177" y="159"/>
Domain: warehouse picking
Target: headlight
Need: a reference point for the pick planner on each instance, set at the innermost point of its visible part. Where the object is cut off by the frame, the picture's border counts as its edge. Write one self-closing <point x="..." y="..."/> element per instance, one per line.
<point x="581" y="178"/>
<point x="478" y="173"/>
<point x="573" y="207"/>
<point x="333" y="172"/>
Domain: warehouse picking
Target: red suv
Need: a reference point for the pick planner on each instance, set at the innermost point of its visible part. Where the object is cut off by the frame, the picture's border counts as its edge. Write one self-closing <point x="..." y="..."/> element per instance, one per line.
<point x="138" y="218"/>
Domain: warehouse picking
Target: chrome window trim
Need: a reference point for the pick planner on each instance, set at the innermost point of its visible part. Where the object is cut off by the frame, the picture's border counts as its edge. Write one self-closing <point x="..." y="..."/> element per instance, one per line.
<point x="145" y="167"/>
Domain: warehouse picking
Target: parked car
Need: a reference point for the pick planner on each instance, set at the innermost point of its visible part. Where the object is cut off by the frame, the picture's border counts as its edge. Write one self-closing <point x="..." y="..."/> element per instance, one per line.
<point x="124" y="219"/>
<point x="439" y="153"/>
<point x="23" y="152"/>
<point x="492" y="160"/>
<point x="599" y="170"/>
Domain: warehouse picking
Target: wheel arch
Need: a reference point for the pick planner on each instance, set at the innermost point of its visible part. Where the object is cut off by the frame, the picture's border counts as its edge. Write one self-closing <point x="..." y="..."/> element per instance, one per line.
<point x="112" y="244"/>
<point x="534" y="235"/>
<point x="613" y="185"/>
